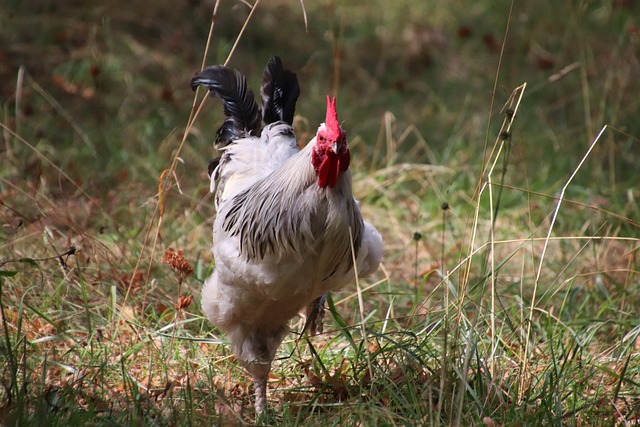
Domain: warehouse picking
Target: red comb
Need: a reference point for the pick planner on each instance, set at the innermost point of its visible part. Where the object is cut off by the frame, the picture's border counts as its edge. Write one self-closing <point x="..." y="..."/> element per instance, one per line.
<point x="331" y="121"/>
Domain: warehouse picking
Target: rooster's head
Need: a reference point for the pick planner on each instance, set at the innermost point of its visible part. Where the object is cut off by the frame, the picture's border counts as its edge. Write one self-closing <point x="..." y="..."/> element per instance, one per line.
<point x="331" y="151"/>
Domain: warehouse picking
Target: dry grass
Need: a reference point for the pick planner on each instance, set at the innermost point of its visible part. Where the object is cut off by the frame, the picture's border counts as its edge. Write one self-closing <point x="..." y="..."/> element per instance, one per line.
<point x="505" y="191"/>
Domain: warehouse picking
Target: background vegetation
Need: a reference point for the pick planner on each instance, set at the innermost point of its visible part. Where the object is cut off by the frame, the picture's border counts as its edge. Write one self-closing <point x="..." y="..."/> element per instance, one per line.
<point x="495" y="146"/>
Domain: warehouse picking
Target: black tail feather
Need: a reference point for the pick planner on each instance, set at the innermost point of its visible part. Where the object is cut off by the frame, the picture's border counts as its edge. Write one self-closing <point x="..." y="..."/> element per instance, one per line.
<point x="240" y="107"/>
<point x="280" y="91"/>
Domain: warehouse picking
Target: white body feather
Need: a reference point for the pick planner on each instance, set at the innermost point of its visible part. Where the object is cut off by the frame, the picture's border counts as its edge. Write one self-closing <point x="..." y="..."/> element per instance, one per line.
<point x="280" y="241"/>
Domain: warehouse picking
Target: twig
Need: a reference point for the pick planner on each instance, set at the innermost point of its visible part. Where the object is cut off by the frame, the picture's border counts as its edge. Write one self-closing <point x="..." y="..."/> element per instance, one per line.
<point x="244" y="26"/>
<point x="546" y="244"/>
<point x="70" y="251"/>
<point x="493" y="211"/>
<point x="462" y="387"/>
<point x="360" y="301"/>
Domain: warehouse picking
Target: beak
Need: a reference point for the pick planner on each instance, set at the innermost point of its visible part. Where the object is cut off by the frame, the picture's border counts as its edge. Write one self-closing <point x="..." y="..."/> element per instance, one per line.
<point x="334" y="147"/>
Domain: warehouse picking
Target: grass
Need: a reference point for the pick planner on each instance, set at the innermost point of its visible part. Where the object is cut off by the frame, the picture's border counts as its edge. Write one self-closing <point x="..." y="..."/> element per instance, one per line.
<point x="509" y="289"/>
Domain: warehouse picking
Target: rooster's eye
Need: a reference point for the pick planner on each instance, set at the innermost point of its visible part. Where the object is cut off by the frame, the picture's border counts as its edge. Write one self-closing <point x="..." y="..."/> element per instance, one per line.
<point x="321" y="139"/>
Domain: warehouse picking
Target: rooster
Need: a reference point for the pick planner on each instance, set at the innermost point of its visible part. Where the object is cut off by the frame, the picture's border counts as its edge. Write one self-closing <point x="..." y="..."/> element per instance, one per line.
<point x="287" y="229"/>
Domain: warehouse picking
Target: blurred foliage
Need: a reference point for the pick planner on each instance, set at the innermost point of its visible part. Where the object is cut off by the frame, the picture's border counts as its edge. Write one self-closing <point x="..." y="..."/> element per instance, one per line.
<point x="100" y="92"/>
<point x="431" y="64"/>
<point x="105" y="95"/>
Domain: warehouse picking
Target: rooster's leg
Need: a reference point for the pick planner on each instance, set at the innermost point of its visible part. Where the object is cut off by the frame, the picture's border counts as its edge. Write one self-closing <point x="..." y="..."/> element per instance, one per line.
<point x="314" y="314"/>
<point x="260" y="385"/>
<point x="259" y="371"/>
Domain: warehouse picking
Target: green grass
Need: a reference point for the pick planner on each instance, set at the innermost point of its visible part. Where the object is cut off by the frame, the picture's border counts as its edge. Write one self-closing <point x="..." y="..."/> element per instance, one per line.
<point x="515" y="305"/>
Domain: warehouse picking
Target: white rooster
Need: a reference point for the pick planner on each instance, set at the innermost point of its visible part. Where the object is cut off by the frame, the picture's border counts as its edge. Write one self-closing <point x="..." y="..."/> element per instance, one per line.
<point x="287" y="227"/>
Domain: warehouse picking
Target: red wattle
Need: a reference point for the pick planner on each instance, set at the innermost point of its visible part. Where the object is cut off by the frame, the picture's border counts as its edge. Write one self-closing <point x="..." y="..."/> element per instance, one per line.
<point x="328" y="166"/>
<point x="327" y="170"/>
<point x="334" y="170"/>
